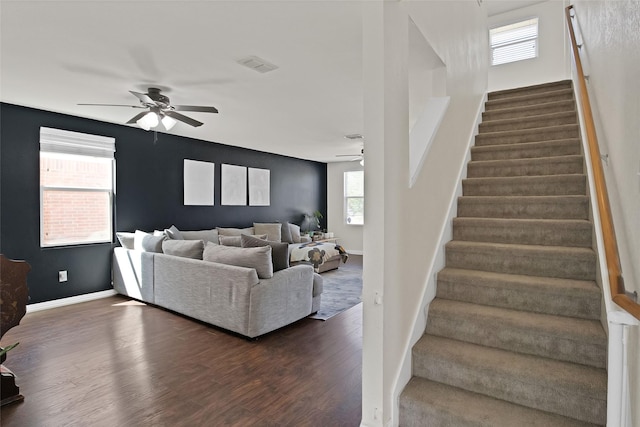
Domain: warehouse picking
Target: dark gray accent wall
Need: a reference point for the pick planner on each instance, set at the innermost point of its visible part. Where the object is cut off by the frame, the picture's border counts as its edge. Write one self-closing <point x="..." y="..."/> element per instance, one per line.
<point x="149" y="194"/>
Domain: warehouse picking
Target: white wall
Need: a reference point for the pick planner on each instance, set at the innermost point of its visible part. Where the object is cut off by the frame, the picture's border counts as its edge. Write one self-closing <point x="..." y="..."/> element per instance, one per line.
<point x="552" y="63"/>
<point x="350" y="236"/>
<point x="611" y="40"/>
<point x="403" y="225"/>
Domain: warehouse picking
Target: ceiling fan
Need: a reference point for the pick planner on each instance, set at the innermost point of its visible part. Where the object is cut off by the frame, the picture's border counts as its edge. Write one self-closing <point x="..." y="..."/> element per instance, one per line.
<point x="356" y="157"/>
<point x="160" y="110"/>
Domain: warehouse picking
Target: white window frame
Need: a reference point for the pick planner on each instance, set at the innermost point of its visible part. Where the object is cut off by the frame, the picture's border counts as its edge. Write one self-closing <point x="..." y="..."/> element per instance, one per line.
<point x="346" y="198"/>
<point x="516" y="36"/>
<point x="76" y="144"/>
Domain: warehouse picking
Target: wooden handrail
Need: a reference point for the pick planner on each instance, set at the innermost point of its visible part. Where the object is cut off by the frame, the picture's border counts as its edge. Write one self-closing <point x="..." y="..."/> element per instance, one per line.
<point x="616" y="282"/>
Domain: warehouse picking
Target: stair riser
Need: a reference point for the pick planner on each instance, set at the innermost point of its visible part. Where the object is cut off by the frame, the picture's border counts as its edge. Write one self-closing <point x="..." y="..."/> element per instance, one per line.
<point x="536" y="122"/>
<point x="528" y="135"/>
<point x="566" y="266"/>
<point x="498" y="334"/>
<point x="545" y="396"/>
<point x="516" y="102"/>
<point x="528" y="111"/>
<point x="519" y="210"/>
<point x="526" y="299"/>
<point x="528" y="151"/>
<point x="524" y="234"/>
<point x="530" y="90"/>
<point x="568" y="185"/>
<point x="550" y="166"/>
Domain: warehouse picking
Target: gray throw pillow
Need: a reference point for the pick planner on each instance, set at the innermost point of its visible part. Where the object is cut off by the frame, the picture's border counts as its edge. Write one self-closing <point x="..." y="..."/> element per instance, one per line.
<point x="127" y="240"/>
<point x="279" y="251"/>
<point x="257" y="258"/>
<point x="285" y="230"/>
<point x="205" y="235"/>
<point x="184" y="248"/>
<point x="295" y="233"/>
<point x="236" y="241"/>
<point x="146" y="242"/>
<point x="272" y="230"/>
<point x="173" y="233"/>
<point x="222" y="231"/>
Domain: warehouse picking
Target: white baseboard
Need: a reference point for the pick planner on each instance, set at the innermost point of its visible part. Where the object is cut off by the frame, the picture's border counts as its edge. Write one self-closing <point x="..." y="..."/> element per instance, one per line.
<point x="350" y="252"/>
<point x="68" y="301"/>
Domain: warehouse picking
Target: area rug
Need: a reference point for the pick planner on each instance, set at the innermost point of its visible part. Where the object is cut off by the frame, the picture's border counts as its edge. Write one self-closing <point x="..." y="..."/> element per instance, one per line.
<point x="342" y="288"/>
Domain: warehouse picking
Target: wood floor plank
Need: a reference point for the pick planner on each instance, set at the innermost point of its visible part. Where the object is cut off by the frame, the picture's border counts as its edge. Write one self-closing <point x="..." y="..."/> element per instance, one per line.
<point x="117" y="362"/>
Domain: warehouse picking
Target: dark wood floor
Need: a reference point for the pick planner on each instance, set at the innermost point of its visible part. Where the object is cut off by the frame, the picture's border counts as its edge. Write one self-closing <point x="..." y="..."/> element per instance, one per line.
<point x="116" y="362"/>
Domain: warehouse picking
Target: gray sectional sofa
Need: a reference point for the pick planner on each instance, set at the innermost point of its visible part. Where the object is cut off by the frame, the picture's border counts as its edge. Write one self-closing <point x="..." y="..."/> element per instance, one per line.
<point x="227" y="296"/>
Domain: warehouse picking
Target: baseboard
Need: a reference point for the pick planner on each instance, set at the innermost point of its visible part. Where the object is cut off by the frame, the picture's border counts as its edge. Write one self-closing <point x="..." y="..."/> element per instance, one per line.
<point x="69" y="301"/>
<point x="350" y="252"/>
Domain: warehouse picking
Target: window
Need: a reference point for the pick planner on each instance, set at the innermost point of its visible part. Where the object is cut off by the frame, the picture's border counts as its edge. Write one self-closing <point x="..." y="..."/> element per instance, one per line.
<point x="354" y="197"/>
<point x="514" y="42"/>
<point x="76" y="188"/>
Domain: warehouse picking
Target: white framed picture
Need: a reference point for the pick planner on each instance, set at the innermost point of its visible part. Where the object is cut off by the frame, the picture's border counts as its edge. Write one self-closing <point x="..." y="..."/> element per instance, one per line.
<point x="259" y="187"/>
<point x="199" y="178"/>
<point x="233" y="185"/>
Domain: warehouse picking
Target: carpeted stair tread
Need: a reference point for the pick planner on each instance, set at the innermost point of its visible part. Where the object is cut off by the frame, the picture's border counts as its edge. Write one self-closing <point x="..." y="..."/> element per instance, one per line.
<point x="556" y="337"/>
<point x="568" y="389"/>
<point x="547" y="185"/>
<point x="541" y="207"/>
<point x="546" y="133"/>
<point x="549" y="295"/>
<point x="531" y="99"/>
<point x="550" y="232"/>
<point x="513" y="112"/>
<point x="429" y="403"/>
<point x="533" y="260"/>
<point x="530" y="90"/>
<point x="532" y="122"/>
<point x="556" y="165"/>
<point x="526" y="150"/>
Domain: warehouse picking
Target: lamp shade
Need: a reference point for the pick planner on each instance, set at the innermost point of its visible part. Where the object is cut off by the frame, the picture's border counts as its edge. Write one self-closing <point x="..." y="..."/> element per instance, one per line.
<point x="168" y="122"/>
<point x="148" y="121"/>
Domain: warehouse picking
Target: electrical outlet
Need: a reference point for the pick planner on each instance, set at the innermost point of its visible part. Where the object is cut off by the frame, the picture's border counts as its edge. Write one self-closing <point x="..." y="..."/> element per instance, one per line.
<point x="62" y="276"/>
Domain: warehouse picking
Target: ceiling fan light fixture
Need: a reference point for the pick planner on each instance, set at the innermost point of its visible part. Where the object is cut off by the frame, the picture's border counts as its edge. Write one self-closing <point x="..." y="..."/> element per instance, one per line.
<point x="148" y="121"/>
<point x="168" y="122"/>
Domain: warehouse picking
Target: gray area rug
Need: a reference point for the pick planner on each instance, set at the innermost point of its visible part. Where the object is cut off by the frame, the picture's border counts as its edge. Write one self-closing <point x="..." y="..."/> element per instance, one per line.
<point x="342" y="288"/>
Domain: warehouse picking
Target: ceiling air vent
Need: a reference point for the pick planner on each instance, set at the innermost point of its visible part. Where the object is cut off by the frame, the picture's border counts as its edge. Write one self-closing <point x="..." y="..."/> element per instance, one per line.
<point x="257" y="64"/>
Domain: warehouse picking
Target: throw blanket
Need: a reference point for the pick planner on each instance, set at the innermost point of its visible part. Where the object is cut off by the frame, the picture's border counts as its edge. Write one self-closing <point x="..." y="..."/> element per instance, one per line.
<point x="317" y="253"/>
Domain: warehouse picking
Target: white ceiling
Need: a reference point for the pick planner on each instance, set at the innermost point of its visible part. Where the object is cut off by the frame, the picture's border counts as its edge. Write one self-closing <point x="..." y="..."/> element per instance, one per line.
<point x="55" y="54"/>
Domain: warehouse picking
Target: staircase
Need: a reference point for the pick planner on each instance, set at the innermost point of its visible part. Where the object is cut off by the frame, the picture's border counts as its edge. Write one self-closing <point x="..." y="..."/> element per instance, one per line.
<point x="513" y="336"/>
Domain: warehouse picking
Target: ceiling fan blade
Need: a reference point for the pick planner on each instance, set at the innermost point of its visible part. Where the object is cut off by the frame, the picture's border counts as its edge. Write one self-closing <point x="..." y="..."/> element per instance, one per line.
<point x="183" y="118"/>
<point x="143" y="97"/>
<point x="114" y="105"/>
<point x="195" y="108"/>
<point x="137" y="117"/>
<point x="348" y="155"/>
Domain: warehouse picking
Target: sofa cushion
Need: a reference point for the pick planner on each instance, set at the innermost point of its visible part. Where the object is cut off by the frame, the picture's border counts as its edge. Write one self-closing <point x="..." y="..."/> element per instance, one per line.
<point x="146" y="242"/>
<point x="257" y="258"/>
<point x="126" y="239"/>
<point x="272" y="230"/>
<point x="227" y="231"/>
<point x="204" y="235"/>
<point x="235" y="240"/>
<point x="184" y="248"/>
<point x="279" y="251"/>
<point x="173" y="233"/>
<point x="295" y="233"/>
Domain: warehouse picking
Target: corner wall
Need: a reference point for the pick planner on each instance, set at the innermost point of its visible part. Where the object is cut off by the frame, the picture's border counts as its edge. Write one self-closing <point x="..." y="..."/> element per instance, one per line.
<point x="148" y="194"/>
<point x="611" y="40"/>
<point x="553" y="61"/>
<point x="350" y="236"/>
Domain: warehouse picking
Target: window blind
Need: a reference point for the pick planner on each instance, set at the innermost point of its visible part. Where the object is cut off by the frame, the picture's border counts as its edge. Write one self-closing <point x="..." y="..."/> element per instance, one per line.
<point x="514" y="42"/>
<point x="68" y="142"/>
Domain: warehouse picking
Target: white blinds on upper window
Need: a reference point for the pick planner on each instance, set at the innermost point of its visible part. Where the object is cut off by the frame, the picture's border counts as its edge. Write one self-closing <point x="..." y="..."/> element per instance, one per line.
<point x="67" y="142"/>
<point x="514" y="42"/>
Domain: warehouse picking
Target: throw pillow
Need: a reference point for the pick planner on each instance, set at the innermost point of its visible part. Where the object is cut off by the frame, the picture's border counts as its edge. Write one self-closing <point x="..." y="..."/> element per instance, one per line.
<point x="285" y="230"/>
<point x="257" y="258"/>
<point x="205" y="235"/>
<point x="184" y="248"/>
<point x="173" y="233"/>
<point x="234" y="231"/>
<point x="279" y="251"/>
<point x="147" y="242"/>
<point x="295" y="233"/>
<point x="272" y="230"/>
<point x="126" y="239"/>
